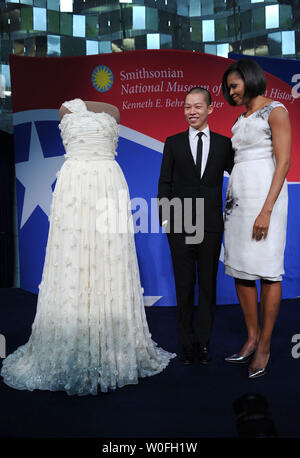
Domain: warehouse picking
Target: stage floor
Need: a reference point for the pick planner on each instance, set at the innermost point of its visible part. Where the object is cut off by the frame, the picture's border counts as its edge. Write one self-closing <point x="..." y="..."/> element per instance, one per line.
<point x="183" y="401"/>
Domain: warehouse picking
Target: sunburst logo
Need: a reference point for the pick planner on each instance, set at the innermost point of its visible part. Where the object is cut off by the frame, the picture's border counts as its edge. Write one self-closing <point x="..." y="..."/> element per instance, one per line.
<point x="102" y="78"/>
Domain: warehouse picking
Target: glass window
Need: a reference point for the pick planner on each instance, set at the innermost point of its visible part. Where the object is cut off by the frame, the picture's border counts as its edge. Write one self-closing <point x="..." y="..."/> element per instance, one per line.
<point x="248" y="47"/>
<point x="2" y="85"/>
<point x="170" y="5"/>
<point x="103" y="23"/>
<point x="261" y="46"/>
<point x="78" y="25"/>
<point x="207" y="7"/>
<point x="223" y="49"/>
<point x="182" y="35"/>
<point x="91" y="47"/>
<point x="126" y="17"/>
<point x="208" y="30"/>
<point x="128" y="44"/>
<point x="241" y="3"/>
<point x="256" y="1"/>
<point x="73" y="46"/>
<point x="18" y="48"/>
<point x="288" y="43"/>
<point x="29" y="46"/>
<point x="196" y="32"/>
<point x="66" y="6"/>
<point x="274" y="44"/>
<point x="272" y="17"/>
<point x="221" y="29"/>
<point x="53" y="21"/>
<point x="285" y="16"/>
<point x="26" y="2"/>
<point x="258" y="15"/>
<point x="91" y="26"/>
<point x="116" y="45"/>
<point x="41" y="45"/>
<point x="140" y="42"/>
<point x="245" y="22"/>
<point x="104" y="47"/>
<point x="39" y="19"/>
<point x="5" y="50"/>
<point x="115" y="21"/>
<point x="166" y="41"/>
<point x="53" y="45"/>
<point x="4" y="26"/>
<point x="195" y="8"/>
<point x="210" y="49"/>
<point x="297" y="39"/>
<point x="53" y="5"/>
<point x="66" y="25"/>
<point x="153" y="41"/>
<point x="165" y="19"/>
<point x="40" y="3"/>
<point x="138" y="17"/>
<point x="220" y="5"/>
<point x="5" y="72"/>
<point x="152" y="19"/>
<point x="13" y="19"/>
<point x="12" y="1"/>
<point x="67" y="46"/>
<point x="183" y="8"/>
<point x="232" y="26"/>
<point x="26" y="19"/>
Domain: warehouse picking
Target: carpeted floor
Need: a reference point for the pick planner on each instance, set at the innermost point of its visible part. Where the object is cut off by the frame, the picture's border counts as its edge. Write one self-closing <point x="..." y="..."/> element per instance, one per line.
<point x="183" y="401"/>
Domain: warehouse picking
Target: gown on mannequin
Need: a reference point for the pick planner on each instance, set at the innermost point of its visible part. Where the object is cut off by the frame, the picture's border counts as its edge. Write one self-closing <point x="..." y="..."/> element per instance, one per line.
<point x="90" y="329"/>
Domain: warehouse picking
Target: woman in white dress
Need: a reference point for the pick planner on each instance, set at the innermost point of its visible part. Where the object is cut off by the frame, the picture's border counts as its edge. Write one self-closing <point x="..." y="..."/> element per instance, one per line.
<point x="90" y="330"/>
<point x="256" y="207"/>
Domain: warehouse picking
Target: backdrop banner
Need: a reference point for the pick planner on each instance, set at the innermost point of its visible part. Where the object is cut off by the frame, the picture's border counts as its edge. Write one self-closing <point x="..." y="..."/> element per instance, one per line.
<point x="149" y="88"/>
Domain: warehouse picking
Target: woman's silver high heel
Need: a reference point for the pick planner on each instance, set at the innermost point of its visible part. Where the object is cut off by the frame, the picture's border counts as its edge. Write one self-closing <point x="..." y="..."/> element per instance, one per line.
<point x="237" y="359"/>
<point x="255" y="373"/>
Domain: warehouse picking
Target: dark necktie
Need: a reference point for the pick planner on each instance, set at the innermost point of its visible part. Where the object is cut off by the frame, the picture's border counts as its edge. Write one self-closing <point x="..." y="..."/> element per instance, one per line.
<point x="199" y="153"/>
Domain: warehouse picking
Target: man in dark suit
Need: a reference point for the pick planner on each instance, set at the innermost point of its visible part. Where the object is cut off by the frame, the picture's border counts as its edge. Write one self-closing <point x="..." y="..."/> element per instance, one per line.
<point x="192" y="168"/>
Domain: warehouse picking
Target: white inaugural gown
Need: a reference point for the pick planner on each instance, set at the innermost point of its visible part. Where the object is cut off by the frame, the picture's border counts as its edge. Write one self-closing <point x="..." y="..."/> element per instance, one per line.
<point x="90" y="329"/>
<point x="248" y="186"/>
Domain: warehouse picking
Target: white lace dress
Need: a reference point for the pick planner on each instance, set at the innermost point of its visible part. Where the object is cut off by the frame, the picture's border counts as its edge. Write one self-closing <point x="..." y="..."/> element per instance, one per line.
<point x="248" y="186"/>
<point x="90" y="329"/>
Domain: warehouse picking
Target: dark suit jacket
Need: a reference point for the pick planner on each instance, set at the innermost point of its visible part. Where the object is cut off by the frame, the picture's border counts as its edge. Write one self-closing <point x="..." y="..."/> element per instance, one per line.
<point x="179" y="176"/>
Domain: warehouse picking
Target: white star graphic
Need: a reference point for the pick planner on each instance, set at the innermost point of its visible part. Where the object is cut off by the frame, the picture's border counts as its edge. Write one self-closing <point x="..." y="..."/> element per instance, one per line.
<point x="37" y="175"/>
<point x="151" y="300"/>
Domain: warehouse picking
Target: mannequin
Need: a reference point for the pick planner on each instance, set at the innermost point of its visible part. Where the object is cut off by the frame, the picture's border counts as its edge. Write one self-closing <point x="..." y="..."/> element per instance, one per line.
<point x="90" y="333"/>
<point x="97" y="107"/>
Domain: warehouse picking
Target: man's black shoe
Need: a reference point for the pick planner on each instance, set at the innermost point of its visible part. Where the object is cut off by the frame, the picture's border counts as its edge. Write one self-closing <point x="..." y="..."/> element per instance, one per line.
<point x="186" y="357"/>
<point x="203" y="355"/>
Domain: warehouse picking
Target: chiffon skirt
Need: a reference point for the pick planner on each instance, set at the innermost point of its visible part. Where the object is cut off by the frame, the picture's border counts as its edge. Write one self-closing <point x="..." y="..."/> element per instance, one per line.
<point x="90" y="331"/>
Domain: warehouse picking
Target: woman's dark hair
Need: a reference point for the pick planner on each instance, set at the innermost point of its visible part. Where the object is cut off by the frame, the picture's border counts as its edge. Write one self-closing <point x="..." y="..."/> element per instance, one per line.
<point x="253" y="76"/>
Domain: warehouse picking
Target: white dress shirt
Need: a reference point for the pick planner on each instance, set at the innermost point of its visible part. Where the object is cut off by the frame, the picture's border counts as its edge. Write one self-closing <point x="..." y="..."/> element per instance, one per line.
<point x="194" y="143"/>
<point x="193" y="138"/>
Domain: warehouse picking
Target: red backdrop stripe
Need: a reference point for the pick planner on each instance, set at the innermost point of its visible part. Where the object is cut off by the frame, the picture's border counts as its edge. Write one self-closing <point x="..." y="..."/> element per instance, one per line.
<point x="147" y="86"/>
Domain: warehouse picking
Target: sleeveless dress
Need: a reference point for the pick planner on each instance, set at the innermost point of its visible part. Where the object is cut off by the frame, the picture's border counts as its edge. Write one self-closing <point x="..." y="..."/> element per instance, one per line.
<point x="90" y="329"/>
<point x="248" y="186"/>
